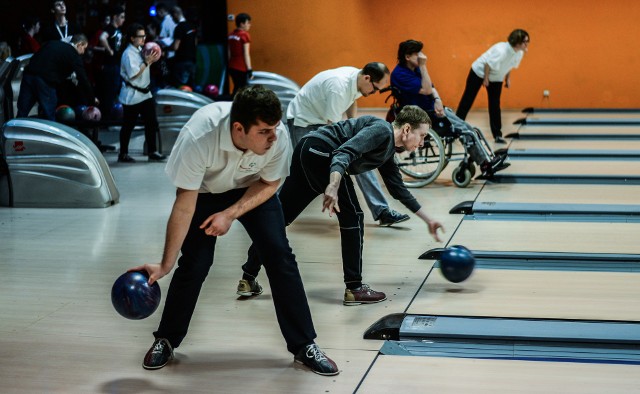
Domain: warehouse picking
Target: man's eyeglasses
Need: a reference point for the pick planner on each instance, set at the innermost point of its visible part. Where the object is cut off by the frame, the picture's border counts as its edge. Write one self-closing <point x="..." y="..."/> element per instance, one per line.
<point x="142" y="36"/>
<point x="375" y="88"/>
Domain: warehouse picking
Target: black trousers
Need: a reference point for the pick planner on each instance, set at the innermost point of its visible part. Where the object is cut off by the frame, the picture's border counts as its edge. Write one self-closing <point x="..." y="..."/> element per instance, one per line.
<point x="265" y="226"/>
<point x="309" y="177"/>
<point x="147" y="109"/>
<point x="239" y="78"/>
<point x="494" y="90"/>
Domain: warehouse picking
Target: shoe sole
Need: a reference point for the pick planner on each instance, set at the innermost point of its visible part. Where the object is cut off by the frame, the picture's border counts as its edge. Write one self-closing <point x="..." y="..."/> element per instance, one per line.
<point x="150" y="368"/>
<point x="247" y="294"/>
<point x="392" y="223"/>
<point x="354" y="303"/>
<point x="314" y="371"/>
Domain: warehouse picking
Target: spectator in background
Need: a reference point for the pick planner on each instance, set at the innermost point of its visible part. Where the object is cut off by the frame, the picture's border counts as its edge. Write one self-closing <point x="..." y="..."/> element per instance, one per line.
<point x="113" y="43"/>
<point x="48" y="69"/>
<point x="183" y="66"/>
<point x="135" y="94"/>
<point x="239" y="68"/>
<point x="167" y="26"/>
<point x="59" y="28"/>
<point x="26" y="42"/>
<point x="491" y="70"/>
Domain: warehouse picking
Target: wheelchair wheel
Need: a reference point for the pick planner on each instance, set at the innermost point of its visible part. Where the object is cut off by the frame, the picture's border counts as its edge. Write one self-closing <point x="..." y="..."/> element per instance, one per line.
<point x="425" y="164"/>
<point x="472" y="169"/>
<point x="448" y="151"/>
<point x="461" y="176"/>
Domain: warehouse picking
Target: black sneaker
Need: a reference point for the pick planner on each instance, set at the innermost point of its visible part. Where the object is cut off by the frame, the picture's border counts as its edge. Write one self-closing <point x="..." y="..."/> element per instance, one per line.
<point x="249" y="288"/>
<point x="126" y="159"/>
<point x="389" y="217"/>
<point x="159" y="354"/>
<point x="156" y="156"/>
<point x="316" y="360"/>
<point x="500" y="140"/>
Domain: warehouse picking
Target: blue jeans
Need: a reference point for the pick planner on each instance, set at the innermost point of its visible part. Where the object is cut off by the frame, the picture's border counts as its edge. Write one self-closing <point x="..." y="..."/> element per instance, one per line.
<point x="265" y="226"/>
<point x="34" y="89"/>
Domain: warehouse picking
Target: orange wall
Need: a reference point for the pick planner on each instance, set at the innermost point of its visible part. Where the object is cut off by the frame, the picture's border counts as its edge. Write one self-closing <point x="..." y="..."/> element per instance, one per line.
<point x="586" y="53"/>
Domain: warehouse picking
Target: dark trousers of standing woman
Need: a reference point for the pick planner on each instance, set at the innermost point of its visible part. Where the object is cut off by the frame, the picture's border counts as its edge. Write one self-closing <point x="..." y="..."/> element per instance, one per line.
<point x="309" y="177"/>
<point x="147" y="109"/>
<point x="265" y="226"/>
<point x="239" y="78"/>
<point x="494" y="90"/>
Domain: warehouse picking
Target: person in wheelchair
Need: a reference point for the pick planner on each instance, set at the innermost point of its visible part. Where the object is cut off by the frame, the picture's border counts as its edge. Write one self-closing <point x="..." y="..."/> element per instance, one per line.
<point x="412" y="85"/>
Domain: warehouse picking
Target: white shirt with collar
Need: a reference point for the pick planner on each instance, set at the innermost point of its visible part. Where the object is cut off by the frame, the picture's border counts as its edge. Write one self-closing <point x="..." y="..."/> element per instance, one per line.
<point x="204" y="157"/>
<point x="501" y="58"/>
<point x="325" y="98"/>
<point x="130" y="65"/>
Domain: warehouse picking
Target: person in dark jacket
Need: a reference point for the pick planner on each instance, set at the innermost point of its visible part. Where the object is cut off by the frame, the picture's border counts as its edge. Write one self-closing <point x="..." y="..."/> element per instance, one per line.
<point x="48" y="69"/>
<point x="322" y="162"/>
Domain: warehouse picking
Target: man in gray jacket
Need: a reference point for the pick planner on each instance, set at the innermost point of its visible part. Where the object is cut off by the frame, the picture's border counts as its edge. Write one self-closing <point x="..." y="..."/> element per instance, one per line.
<point x="322" y="163"/>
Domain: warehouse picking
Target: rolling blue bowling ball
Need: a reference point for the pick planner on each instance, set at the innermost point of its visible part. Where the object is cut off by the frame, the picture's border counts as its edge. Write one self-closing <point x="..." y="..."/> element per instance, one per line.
<point x="133" y="298"/>
<point x="457" y="263"/>
<point x="197" y="88"/>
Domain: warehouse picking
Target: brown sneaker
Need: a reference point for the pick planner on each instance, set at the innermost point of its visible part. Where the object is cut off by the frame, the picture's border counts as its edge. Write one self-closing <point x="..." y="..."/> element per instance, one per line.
<point x="363" y="295"/>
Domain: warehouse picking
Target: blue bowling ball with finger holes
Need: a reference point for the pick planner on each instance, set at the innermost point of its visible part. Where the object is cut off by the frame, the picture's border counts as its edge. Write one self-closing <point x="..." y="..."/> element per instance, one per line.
<point x="457" y="263"/>
<point x="133" y="298"/>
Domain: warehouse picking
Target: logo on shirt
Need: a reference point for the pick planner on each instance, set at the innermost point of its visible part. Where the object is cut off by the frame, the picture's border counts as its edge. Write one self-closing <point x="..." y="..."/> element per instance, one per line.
<point x="251" y="167"/>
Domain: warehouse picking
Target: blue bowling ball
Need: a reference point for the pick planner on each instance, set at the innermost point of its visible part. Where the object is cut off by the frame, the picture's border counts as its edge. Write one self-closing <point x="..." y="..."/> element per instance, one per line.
<point x="457" y="263"/>
<point x="133" y="298"/>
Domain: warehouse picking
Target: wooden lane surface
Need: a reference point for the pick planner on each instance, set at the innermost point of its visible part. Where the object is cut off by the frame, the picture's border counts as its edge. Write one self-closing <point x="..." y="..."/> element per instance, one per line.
<point x="572" y="167"/>
<point x="579" y="131"/>
<point x="400" y="374"/>
<point x="524" y="193"/>
<point x="534" y="294"/>
<point x="584" y="115"/>
<point x="594" y="147"/>
<point x="542" y="236"/>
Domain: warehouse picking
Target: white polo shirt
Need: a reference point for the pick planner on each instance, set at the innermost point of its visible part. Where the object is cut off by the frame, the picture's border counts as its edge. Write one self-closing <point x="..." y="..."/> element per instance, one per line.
<point x="501" y="58"/>
<point x="325" y="98"/>
<point x="205" y="159"/>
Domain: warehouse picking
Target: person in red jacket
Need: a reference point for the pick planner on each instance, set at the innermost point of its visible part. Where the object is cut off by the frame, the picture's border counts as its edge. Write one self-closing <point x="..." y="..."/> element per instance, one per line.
<point x="239" y="68"/>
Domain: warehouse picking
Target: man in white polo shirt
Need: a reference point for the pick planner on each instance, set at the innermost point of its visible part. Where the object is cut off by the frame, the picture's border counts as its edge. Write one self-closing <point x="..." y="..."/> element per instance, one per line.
<point x="227" y="164"/>
<point x="324" y="100"/>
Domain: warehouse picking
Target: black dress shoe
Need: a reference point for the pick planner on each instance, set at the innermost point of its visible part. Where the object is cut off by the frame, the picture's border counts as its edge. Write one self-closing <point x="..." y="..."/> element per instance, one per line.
<point x="156" y="156"/>
<point x="500" y="140"/>
<point x="126" y="159"/>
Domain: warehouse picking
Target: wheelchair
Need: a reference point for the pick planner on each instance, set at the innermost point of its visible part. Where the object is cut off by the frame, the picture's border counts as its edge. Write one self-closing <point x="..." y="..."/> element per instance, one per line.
<point x="426" y="163"/>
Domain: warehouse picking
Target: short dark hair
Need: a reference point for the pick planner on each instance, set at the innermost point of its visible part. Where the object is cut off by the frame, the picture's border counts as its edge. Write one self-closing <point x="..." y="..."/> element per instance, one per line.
<point x="53" y="3"/>
<point x="517" y="37"/>
<point x="375" y="70"/>
<point x="255" y="103"/>
<point x="117" y="10"/>
<point x="242" y="18"/>
<point x="413" y="115"/>
<point x="29" y="21"/>
<point x="161" y="6"/>
<point x="78" y="38"/>
<point x="132" y="30"/>
<point x="407" y="48"/>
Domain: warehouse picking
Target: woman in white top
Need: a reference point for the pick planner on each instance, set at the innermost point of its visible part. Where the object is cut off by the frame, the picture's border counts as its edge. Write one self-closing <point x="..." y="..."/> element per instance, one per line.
<point x="490" y="70"/>
<point x="135" y="94"/>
